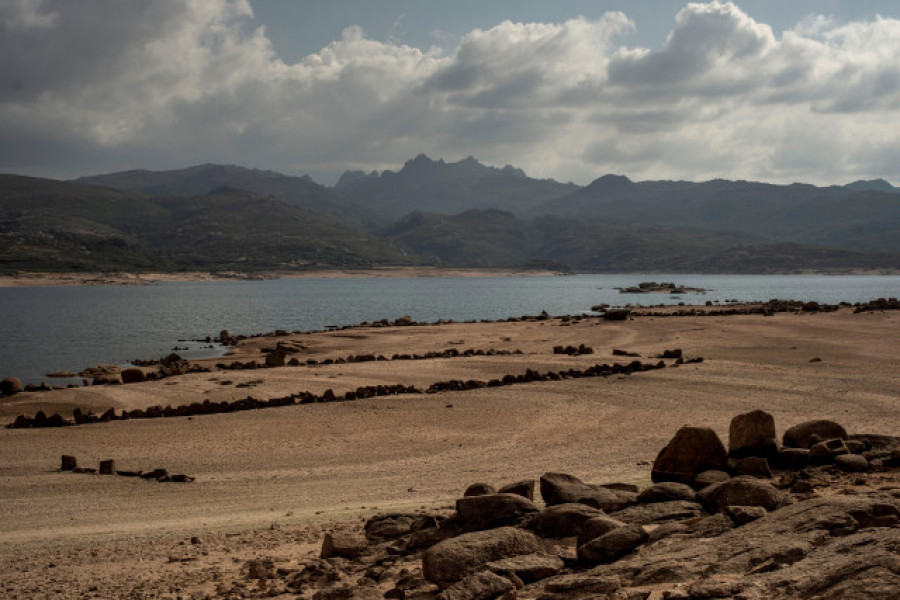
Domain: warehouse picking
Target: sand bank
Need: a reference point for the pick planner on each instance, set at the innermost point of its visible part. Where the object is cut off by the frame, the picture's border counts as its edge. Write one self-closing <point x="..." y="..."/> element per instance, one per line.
<point x="55" y="279"/>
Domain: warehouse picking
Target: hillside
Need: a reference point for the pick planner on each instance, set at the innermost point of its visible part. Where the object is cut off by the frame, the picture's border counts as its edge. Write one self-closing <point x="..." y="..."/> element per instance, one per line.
<point x="437" y="187"/>
<point x="492" y="238"/>
<point x="798" y="213"/>
<point x="302" y="192"/>
<point x="48" y="225"/>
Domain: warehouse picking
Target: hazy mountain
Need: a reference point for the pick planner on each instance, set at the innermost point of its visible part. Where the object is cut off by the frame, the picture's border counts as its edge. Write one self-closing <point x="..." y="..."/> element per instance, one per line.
<point x="302" y="192"/>
<point x="475" y="238"/>
<point x="492" y="238"/>
<point x="872" y="185"/>
<point x="453" y="215"/>
<point x="437" y="187"/>
<point x="53" y="225"/>
<point x="797" y="213"/>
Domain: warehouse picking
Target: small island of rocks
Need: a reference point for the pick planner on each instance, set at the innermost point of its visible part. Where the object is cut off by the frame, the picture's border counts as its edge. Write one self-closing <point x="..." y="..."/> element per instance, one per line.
<point x="666" y="287"/>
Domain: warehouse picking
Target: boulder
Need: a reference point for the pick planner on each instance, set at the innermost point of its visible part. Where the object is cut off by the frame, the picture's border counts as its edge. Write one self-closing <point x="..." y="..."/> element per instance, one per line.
<point x="741" y="491"/>
<point x="594" y="528"/>
<point x="449" y="561"/>
<point x="276" y="358"/>
<point x="707" y="478"/>
<point x="528" y="567"/>
<point x="395" y="525"/>
<point x="483" y="585"/>
<point x="754" y="466"/>
<point x="659" y="512"/>
<point x="133" y="375"/>
<point x="692" y="451"/>
<point x="344" y="545"/>
<point x="523" y="488"/>
<point x="741" y="515"/>
<point x="480" y="489"/>
<point x="562" y="520"/>
<point x="752" y="434"/>
<point x="805" y="434"/>
<point x="666" y="491"/>
<point x="791" y="458"/>
<point x="10" y="386"/>
<point x="496" y="510"/>
<point x="826" y="451"/>
<point x="610" y="546"/>
<point x="852" y="463"/>
<point x="561" y="488"/>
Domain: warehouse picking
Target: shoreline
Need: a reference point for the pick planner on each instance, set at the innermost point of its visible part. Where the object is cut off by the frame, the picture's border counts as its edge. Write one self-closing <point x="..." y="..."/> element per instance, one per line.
<point x="45" y="279"/>
<point x="65" y="278"/>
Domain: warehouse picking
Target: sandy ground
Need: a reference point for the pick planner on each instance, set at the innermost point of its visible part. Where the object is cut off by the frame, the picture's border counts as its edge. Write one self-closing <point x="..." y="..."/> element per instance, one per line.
<point x="55" y="279"/>
<point x="290" y="472"/>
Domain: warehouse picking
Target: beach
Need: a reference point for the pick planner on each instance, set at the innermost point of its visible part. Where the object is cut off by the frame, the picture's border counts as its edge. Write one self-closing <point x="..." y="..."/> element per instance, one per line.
<point x="290" y="473"/>
<point x="123" y="278"/>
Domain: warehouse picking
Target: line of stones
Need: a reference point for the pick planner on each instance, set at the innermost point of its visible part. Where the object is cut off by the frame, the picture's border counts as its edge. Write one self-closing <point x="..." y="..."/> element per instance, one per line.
<point x="249" y="403"/>
<point x="108" y="467"/>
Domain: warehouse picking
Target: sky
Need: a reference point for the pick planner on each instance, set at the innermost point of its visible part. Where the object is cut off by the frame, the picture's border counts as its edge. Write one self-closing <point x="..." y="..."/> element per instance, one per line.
<point x="571" y="90"/>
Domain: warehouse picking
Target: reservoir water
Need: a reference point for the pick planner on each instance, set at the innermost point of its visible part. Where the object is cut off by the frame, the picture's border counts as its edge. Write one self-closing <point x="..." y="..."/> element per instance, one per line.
<point x="64" y="328"/>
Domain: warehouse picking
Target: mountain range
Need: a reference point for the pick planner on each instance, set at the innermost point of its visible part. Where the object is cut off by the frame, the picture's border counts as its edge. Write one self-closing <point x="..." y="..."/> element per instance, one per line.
<point x="462" y="214"/>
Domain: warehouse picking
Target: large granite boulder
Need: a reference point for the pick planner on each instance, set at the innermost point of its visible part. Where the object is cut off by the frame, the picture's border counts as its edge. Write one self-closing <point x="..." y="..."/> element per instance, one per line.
<point x="692" y="451"/>
<point x="741" y="491"/>
<point x="495" y="510"/>
<point x="612" y="545"/>
<point x="666" y="491"/>
<point x="752" y="434"/>
<point x="562" y="520"/>
<point x="483" y="585"/>
<point x="808" y="433"/>
<point x="451" y="560"/>
<point x="523" y="488"/>
<point x="395" y="525"/>
<point x="659" y="512"/>
<point x="561" y="488"/>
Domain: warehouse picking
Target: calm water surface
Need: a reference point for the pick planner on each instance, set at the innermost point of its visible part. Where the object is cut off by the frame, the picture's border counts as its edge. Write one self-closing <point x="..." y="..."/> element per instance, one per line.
<point x="47" y="329"/>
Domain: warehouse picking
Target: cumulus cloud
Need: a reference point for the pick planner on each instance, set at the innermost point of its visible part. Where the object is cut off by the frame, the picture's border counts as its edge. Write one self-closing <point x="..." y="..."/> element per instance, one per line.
<point x="109" y="84"/>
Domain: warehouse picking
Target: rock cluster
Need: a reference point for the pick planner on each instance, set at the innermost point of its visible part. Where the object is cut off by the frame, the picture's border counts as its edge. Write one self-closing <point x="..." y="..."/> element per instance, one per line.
<point x="108" y="467"/>
<point x="741" y="537"/>
<point x="573" y="350"/>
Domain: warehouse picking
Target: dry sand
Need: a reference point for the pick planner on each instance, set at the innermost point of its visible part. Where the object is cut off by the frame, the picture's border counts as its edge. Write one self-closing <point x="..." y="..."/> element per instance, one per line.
<point x="117" y="278"/>
<point x="301" y="469"/>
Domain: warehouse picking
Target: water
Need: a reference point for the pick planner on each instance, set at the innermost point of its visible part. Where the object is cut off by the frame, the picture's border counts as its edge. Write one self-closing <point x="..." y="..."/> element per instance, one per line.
<point x="47" y="329"/>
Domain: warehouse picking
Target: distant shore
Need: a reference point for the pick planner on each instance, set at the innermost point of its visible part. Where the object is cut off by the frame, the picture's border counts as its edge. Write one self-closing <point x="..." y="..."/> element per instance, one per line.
<point x="116" y="278"/>
<point x="43" y="279"/>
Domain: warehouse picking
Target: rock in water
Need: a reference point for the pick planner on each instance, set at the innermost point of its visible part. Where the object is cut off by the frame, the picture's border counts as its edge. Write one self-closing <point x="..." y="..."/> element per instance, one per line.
<point x="692" y="451"/>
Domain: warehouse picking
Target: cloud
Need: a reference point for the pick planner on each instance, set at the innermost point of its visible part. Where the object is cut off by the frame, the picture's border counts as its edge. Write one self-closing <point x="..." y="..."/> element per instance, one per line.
<point x="108" y="84"/>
